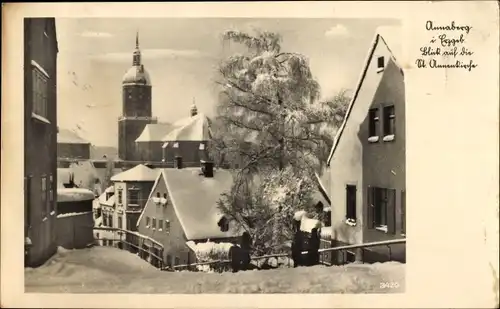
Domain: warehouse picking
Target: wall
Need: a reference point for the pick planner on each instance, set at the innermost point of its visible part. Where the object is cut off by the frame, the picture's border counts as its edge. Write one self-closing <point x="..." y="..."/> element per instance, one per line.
<point x="131" y="213"/>
<point x="129" y="130"/>
<point x="174" y="242"/>
<point x="80" y="151"/>
<point x="40" y="140"/>
<point x="75" y="231"/>
<point x="346" y="163"/>
<point x="136" y="101"/>
<point x="384" y="162"/>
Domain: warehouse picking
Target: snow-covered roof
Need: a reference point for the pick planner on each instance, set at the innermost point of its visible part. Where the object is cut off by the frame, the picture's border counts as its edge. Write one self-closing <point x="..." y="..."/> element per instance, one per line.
<point x="137" y="173"/>
<point x="326" y="232"/>
<point x="110" y="189"/>
<point x="196" y="128"/>
<point x="391" y="36"/>
<point x="65" y="136"/>
<point x="72" y="214"/>
<point x="74" y="195"/>
<point x="307" y="224"/>
<point x="154" y="132"/>
<point x="110" y="201"/>
<point x="63" y="176"/>
<point x="204" y="249"/>
<point x="194" y="199"/>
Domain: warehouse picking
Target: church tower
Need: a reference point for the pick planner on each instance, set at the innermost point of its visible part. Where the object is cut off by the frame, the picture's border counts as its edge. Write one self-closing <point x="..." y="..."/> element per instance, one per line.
<point x="136" y="106"/>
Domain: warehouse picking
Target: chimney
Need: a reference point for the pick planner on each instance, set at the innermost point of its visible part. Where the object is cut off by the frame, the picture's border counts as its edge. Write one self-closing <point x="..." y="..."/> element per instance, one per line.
<point x="208" y="168"/>
<point x="178" y="162"/>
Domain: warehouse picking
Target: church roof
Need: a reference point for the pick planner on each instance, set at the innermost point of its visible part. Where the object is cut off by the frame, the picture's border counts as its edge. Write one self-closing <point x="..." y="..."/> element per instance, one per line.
<point x="138" y="173"/>
<point x="137" y="75"/>
<point x="195" y="128"/>
<point x="65" y="136"/>
<point x="154" y="132"/>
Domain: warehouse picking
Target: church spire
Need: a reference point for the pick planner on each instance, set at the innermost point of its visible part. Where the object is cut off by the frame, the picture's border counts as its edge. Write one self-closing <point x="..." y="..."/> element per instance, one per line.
<point x="137" y="52"/>
<point x="194" y="109"/>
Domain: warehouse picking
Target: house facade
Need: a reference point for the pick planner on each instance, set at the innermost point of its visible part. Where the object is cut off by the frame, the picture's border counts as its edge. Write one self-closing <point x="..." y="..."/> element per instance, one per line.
<point x="71" y="146"/>
<point x="40" y="139"/>
<point x="367" y="160"/>
<point x="182" y="207"/>
<point x="131" y="191"/>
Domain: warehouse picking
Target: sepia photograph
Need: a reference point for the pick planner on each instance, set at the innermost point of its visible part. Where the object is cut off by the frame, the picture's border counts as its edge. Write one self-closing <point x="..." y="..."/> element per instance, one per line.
<point x="250" y="154"/>
<point x="214" y="155"/>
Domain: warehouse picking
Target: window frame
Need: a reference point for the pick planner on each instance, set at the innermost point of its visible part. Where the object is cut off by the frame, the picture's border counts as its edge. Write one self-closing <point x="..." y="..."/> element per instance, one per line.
<point x="351" y="202"/>
<point x="380" y="63"/>
<point x="40" y="90"/>
<point x="167" y="226"/>
<point x="389" y="126"/>
<point x="119" y="196"/>
<point x="373" y="124"/>
<point x="43" y="195"/>
<point x="130" y="198"/>
<point x="380" y="208"/>
<point x="153" y="223"/>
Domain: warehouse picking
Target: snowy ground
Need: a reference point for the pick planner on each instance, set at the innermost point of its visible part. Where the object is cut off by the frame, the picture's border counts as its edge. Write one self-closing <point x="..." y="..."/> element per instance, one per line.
<point x="110" y="270"/>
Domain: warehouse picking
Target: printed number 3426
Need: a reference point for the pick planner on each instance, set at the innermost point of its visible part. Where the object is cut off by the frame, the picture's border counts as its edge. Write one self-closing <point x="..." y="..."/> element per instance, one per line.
<point x="389" y="285"/>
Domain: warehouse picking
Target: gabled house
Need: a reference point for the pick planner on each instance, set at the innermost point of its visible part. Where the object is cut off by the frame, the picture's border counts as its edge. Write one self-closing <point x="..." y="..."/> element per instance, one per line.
<point x="40" y="139"/>
<point x="182" y="207"/>
<point x="71" y="146"/>
<point x="131" y="190"/>
<point x="367" y="159"/>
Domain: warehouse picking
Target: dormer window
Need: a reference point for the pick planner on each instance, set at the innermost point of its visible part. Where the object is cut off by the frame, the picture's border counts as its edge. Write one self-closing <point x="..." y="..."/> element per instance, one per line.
<point x="380" y="64"/>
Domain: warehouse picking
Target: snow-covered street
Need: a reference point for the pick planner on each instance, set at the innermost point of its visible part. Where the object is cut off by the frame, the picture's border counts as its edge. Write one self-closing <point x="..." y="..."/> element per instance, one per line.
<point x="110" y="270"/>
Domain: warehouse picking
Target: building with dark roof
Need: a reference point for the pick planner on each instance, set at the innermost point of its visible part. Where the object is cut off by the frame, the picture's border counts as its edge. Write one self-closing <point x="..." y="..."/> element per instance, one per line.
<point x="40" y="139"/>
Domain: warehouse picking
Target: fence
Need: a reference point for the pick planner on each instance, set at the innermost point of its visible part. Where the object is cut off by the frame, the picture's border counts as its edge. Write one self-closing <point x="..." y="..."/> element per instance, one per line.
<point x="326" y="256"/>
<point x="141" y="245"/>
<point x="152" y="251"/>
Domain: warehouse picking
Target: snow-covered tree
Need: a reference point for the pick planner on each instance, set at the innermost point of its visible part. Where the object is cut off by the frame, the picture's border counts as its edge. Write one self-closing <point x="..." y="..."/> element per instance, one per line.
<point x="272" y="121"/>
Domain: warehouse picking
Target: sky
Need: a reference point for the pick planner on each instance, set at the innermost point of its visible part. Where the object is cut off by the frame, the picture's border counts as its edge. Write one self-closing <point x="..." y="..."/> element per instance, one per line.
<point x="181" y="56"/>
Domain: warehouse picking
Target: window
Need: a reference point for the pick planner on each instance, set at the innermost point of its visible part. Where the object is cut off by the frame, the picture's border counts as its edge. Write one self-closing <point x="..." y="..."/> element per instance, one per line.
<point x="381" y="209"/>
<point x="373" y="123"/>
<point x="380" y="63"/>
<point x="389" y="121"/>
<point x="51" y="194"/>
<point x="167" y="226"/>
<point x="154" y="223"/>
<point x="133" y="197"/>
<point x="403" y="212"/>
<point x="40" y="90"/>
<point x="351" y="202"/>
<point x="147" y="221"/>
<point x="158" y="194"/>
<point x="120" y="197"/>
<point x="110" y="219"/>
<point x="164" y="195"/>
<point x="160" y="225"/>
<point x="43" y="193"/>
<point x="120" y="222"/>
<point x="177" y="260"/>
<point x="27" y="201"/>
